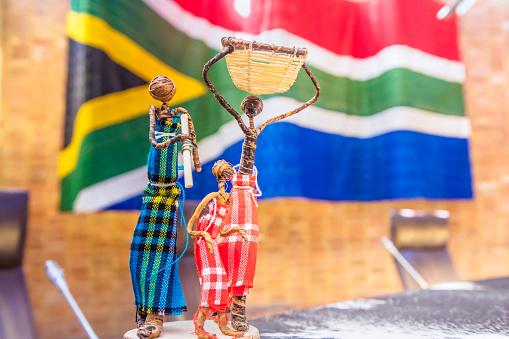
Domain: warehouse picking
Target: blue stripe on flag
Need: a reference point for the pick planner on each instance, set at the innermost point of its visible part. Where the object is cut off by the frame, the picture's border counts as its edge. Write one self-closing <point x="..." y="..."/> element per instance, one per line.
<point x="133" y="203"/>
<point x="298" y="162"/>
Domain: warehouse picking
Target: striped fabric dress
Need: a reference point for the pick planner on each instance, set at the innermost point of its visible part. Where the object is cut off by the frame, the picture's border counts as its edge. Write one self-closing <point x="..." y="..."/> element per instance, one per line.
<point x="239" y="257"/>
<point x="154" y="242"/>
<point x="213" y="279"/>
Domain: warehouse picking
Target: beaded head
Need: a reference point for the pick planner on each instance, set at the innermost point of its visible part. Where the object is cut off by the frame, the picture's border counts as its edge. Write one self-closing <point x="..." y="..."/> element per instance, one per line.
<point x="162" y="88"/>
<point x="252" y="106"/>
<point x="222" y="170"/>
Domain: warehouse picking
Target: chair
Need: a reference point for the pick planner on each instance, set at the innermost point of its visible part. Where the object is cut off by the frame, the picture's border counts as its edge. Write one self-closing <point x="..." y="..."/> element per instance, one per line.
<point x="16" y="319"/>
<point x="421" y="238"/>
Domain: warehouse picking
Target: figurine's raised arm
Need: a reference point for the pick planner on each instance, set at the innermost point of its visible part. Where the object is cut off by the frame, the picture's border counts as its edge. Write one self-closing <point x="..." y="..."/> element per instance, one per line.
<point x="218" y="96"/>
<point x="297" y="110"/>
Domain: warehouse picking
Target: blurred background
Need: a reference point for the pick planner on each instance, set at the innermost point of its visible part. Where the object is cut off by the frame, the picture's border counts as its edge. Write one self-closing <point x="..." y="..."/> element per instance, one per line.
<point x="413" y="115"/>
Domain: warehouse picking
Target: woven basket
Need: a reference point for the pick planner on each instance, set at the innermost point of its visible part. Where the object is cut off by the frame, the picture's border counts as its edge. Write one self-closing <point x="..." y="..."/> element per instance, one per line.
<point x="261" y="68"/>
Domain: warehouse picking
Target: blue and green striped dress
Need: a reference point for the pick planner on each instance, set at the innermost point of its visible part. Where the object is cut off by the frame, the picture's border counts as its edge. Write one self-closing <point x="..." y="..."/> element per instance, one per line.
<point x="155" y="236"/>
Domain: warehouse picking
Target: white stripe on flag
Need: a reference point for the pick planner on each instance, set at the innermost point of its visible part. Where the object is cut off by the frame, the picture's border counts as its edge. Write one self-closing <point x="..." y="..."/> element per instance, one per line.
<point x="322" y="120"/>
<point x="131" y="184"/>
<point x="396" y="56"/>
<point x="111" y="191"/>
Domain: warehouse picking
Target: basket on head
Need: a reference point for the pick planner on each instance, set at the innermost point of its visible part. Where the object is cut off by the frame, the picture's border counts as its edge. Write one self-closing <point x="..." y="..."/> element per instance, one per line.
<point x="261" y="68"/>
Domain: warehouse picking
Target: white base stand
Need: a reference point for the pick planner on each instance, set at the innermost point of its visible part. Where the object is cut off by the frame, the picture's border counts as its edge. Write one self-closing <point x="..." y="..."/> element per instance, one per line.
<point x="185" y="329"/>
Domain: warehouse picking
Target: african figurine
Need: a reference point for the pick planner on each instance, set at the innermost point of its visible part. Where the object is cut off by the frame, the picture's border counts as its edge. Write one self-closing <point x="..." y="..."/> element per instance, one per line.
<point x="213" y="278"/>
<point x="153" y="266"/>
<point x="239" y="257"/>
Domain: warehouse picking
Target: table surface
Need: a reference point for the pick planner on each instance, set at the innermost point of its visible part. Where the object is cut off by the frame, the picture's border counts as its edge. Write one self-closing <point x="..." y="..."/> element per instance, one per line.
<point x="185" y="330"/>
<point x="449" y="311"/>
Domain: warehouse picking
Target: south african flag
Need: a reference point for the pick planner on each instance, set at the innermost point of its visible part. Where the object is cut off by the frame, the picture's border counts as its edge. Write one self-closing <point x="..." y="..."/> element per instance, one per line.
<point x="390" y="122"/>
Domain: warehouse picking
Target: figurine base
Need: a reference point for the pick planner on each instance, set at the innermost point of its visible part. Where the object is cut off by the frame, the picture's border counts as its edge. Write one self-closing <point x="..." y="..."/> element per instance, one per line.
<point x="185" y="329"/>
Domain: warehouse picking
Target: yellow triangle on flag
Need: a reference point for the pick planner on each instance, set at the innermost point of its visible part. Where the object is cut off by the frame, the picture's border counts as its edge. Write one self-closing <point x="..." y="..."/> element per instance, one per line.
<point x="116" y="107"/>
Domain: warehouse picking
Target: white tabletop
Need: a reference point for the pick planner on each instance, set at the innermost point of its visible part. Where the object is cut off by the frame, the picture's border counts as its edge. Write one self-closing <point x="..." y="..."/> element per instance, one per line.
<point x="185" y="329"/>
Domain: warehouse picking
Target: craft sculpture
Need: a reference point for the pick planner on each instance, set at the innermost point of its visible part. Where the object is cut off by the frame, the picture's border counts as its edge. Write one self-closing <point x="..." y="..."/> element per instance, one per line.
<point x="272" y="69"/>
<point x="213" y="278"/>
<point x="153" y="264"/>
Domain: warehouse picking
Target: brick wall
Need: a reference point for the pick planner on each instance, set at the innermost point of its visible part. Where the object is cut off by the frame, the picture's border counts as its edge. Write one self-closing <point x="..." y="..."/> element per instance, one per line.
<point x="310" y="252"/>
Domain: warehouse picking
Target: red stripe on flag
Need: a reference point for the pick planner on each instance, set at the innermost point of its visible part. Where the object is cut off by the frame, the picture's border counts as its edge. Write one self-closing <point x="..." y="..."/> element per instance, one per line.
<point x="359" y="29"/>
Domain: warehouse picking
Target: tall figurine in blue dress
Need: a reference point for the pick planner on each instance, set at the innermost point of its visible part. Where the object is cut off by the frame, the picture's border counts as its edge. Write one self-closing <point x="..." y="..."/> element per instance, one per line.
<point x="154" y="270"/>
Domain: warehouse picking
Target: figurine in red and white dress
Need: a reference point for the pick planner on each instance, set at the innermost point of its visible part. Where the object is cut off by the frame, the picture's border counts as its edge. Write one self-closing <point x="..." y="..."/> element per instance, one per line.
<point x="239" y="256"/>
<point x="213" y="278"/>
<point x="241" y="261"/>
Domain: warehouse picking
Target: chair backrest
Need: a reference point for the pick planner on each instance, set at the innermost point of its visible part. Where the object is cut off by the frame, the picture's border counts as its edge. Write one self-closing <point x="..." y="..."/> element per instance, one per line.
<point x="13" y="226"/>
<point x="16" y="319"/>
<point x="422" y="239"/>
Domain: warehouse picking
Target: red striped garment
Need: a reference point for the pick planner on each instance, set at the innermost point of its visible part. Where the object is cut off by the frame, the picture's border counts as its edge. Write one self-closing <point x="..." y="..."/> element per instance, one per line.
<point x="213" y="278"/>
<point x="239" y="257"/>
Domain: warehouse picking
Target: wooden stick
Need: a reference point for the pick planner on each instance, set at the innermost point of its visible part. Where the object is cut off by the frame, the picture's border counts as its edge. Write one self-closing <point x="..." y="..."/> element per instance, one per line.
<point x="186" y="152"/>
<point x="243" y="44"/>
